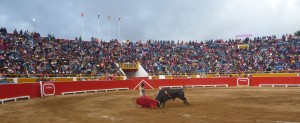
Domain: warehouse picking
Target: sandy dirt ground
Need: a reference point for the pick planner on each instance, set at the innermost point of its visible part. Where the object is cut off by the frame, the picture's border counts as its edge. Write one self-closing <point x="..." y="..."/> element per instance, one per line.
<point x="207" y="105"/>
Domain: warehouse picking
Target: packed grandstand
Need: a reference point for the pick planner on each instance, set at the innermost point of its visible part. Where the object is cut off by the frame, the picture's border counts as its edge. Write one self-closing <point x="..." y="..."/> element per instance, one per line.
<point x="26" y="54"/>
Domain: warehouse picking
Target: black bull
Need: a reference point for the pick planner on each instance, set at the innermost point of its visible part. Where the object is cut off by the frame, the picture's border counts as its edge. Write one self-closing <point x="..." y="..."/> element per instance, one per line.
<point x="166" y="94"/>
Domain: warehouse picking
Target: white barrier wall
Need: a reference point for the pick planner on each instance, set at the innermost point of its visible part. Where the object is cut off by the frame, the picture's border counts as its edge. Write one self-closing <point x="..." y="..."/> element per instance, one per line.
<point x="15" y="80"/>
<point x="162" y="77"/>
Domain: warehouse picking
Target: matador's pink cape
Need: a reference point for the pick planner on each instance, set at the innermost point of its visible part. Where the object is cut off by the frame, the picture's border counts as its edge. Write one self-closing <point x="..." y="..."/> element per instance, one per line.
<point x="146" y="102"/>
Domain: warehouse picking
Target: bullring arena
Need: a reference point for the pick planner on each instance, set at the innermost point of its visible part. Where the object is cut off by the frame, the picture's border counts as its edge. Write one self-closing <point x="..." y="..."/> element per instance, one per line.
<point x="232" y="101"/>
<point x="55" y="80"/>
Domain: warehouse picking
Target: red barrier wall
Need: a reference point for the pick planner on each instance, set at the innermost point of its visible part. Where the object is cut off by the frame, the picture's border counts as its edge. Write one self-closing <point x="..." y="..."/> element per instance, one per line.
<point x="179" y="82"/>
<point x="15" y="90"/>
<point x="33" y="89"/>
<point x="89" y="85"/>
<point x="256" y="81"/>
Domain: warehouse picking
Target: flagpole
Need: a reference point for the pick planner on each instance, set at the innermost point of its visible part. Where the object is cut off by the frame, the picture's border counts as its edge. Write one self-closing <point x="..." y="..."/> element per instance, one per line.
<point x="82" y="27"/>
<point x="98" y="26"/>
<point x="108" y="28"/>
<point x="33" y="24"/>
<point x="120" y="29"/>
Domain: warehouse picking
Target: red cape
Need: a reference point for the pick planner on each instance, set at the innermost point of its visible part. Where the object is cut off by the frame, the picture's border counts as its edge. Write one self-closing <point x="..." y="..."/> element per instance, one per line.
<point x="146" y="102"/>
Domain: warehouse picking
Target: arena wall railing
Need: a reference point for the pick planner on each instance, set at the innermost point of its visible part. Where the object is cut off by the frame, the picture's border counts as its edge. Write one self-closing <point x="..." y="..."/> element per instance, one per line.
<point x="11" y="91"/>
<point x="215" y="75"/>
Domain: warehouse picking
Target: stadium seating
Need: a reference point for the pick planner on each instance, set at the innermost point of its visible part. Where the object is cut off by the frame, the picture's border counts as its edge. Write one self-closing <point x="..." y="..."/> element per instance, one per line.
<point x="27" y="54"/>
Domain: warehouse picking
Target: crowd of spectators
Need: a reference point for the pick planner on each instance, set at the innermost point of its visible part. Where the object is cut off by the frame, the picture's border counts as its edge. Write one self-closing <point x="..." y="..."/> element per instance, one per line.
<point x="262" y="54"/>
<point x="26" y="53"/>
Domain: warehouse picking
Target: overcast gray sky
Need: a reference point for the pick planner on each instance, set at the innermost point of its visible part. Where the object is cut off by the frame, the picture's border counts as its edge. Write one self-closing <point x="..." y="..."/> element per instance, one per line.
<point x="153" y="19"/>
